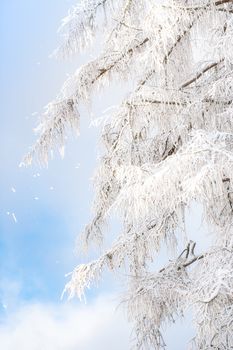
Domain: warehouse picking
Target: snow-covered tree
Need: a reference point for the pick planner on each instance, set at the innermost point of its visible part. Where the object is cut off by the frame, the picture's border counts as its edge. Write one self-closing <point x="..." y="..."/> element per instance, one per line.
<point x="168" y="145"/>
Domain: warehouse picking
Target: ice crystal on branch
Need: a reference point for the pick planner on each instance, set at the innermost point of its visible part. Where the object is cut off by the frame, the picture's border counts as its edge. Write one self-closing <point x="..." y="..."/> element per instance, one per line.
<point x="168" y="144"/>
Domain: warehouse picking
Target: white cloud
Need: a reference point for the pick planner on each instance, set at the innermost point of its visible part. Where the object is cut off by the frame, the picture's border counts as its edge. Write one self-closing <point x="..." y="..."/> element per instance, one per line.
<point x="95" y="326"/>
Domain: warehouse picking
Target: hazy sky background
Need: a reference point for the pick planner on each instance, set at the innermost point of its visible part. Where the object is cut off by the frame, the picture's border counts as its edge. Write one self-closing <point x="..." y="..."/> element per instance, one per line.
<point x="43" y="210"/>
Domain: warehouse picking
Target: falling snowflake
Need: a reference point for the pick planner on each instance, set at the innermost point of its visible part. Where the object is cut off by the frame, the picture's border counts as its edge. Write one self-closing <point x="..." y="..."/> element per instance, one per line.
<point x="14" y="217"/>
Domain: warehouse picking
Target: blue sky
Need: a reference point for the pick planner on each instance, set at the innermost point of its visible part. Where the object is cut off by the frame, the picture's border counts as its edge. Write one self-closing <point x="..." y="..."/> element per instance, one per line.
<point x="43" y="210"/>
<point x="47" y="210"/>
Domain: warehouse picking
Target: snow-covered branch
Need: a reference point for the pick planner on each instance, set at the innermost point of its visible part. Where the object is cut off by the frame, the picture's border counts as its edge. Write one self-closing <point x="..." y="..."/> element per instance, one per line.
<point x="59" y="116"/>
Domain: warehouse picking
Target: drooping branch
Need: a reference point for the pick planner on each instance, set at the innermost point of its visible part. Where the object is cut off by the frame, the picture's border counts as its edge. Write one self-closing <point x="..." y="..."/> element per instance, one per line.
<point x="211" y="297"/>
<point x="181" y="36"/>
<point x="200" y="74"/>
<point x="179" y="103"/>
<point x="222" y="2"/>
<point x="170" y="51"/>
<point x="129" y="53"/>
<point x="52" y="130"/>
<point x="198" y="8"/>
<point x="78" y="27"/>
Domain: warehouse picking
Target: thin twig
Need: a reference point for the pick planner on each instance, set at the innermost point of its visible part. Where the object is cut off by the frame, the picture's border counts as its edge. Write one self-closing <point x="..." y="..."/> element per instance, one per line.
<point x="193" y="260"/>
